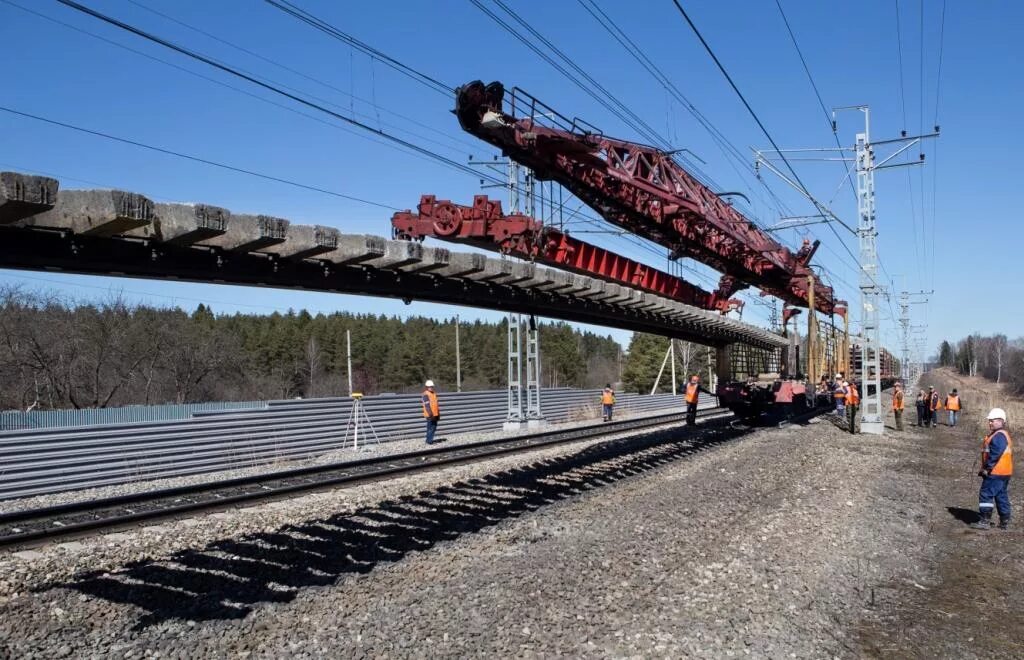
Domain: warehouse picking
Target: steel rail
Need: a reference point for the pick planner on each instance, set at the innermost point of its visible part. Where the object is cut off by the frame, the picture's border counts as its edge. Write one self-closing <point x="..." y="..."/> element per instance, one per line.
<point x="34" y="526"/>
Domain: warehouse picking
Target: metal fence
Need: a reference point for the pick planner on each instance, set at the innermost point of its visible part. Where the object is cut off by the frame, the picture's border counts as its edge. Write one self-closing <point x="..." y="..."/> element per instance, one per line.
<point x="13" y="420"/>
<point x="38" y="461"/>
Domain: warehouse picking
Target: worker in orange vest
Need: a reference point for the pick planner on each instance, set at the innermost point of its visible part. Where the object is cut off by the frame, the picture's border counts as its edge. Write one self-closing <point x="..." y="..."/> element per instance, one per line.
<point x="431" y="411"/>
<point x="692" y="395"/>
<point x="897" y="405"/>
<point x="934" y="405"/>
<point x="954" y="406"/>
<point x="852" y="404"/>
<point x="996" y="470"/>
<point x="607" y="402"/>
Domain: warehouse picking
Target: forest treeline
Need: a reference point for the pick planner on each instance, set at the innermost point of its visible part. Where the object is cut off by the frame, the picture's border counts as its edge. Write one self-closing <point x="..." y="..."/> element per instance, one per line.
<point x="59" y="354"/>
<point x="994" y="357"/>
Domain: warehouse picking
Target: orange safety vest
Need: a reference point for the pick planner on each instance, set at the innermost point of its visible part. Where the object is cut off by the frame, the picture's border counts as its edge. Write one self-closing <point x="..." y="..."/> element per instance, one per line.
<point x="1004" y="466"/>
<point x="430" y="408"/>
<point x="897" y="400"/>
<point x="840" y="392"/>
<point x="607" y="397"/>
<point x="933" y="402"/>
<point x="953" y="402"/>
<point x="853" y="398"/>
<point x="692" y="392"/>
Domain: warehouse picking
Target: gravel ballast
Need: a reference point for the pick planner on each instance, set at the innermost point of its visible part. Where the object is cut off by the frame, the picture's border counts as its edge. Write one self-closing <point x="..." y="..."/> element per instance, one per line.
<point x="772" y="543"/>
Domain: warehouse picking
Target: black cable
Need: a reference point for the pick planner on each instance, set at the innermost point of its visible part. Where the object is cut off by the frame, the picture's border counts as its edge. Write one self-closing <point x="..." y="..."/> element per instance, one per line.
<point x="647" y="129"/>
<point x="935" y="147"/>
<point x="225" y="85"/>
<point x="298" y="99"/>
<point x="328" y="29"/>
<point x="764" y="130"/>
<point x="824" y="111"/>
<point x="728" y="149"/>
<point x="305" y="76"/>
<point x="197" y="159"/>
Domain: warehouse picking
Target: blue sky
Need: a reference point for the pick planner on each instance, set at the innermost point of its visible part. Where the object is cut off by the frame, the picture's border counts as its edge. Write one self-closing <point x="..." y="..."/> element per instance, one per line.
<point x="948" y="226"/>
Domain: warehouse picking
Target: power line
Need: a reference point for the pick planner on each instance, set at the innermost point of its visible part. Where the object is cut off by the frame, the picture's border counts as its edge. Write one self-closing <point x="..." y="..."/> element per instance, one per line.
<point x="420" y="77"/>
<point x="305" y="76"/>
<point x="277" y="90"/>
<point x="197" y="159"/>
<point x="810" y="78"/>
<point x="764" y="130"/>
<point x="239" y="90"/>
<point x="935" y="147"/>
<point x="727" y="148"/>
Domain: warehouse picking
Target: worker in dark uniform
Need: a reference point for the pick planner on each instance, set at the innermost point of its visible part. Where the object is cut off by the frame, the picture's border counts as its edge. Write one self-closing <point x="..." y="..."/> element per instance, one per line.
<point x="934" y="404"/>
<point x="996" y="470"/>
<point x="692" y="395"/>
<point x="431" y="411"/>
<point x="607" y="402"/>
<point x="922" y="407"/>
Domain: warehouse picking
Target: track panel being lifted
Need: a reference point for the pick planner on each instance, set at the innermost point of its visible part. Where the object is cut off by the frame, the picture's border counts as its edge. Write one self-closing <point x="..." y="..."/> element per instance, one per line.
<point x="109" y="233"/>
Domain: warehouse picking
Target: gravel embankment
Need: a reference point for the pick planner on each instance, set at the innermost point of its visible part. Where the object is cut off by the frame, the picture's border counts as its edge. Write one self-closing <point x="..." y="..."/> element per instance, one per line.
<point x="765" y="546"/>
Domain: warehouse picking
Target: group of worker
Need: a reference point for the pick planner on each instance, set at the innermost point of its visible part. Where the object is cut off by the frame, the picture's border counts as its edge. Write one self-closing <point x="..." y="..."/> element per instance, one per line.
<point x="691" y="396"/>
<point x="432" y="411"/>
<point x="930" y="403"/>
<point x="996" y="453"/>
<point x="846" y="397"/>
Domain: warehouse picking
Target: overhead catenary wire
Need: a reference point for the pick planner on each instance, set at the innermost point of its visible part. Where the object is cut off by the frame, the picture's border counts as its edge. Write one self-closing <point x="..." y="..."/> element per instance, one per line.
<point x="234" y="88"/>
<point x="191" y="157"/>
<point x="301" y="74"/>
<point x="729" y="150"/>
<point x="426" y="80"/>
<point x="269" y="87"/>
<point x="817" y="93"/>
<point x="764" y="130"/>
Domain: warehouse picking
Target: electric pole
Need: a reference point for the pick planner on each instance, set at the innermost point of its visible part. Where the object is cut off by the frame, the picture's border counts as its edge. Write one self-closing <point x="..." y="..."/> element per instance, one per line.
<point x="871" y="291"/>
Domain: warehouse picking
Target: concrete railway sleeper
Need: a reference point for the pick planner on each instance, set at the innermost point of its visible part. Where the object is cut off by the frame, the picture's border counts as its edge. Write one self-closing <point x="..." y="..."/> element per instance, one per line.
<point x="35" y="526"/>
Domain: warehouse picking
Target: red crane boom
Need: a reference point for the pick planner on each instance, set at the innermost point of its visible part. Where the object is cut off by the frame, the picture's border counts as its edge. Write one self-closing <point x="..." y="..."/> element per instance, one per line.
<point x="642" y="190"/>
<point x="484" y="225"/>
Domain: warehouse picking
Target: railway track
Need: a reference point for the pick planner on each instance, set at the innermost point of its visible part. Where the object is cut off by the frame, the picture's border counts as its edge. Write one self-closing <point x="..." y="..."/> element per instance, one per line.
<point x="32" y="527"/>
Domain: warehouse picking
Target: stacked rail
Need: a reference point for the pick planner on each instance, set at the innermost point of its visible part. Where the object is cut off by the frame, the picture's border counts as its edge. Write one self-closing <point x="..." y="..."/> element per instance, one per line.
<point x="43" y="461"/>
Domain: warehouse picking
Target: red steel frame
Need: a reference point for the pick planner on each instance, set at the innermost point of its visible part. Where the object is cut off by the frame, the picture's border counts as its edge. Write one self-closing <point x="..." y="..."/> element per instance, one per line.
<point x="484" y="225"/>
<point x="642" y="190"/>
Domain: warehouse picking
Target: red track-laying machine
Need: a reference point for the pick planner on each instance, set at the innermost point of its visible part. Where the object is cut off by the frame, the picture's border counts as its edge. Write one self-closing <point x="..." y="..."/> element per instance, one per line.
<point x="484" y="225"/>
<point x="643" y="190"/>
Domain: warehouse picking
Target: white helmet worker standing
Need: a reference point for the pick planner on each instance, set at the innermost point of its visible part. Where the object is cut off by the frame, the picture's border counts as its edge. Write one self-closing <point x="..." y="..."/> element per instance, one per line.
<point x="996" y="470"/>
<point x="431" y="409"/>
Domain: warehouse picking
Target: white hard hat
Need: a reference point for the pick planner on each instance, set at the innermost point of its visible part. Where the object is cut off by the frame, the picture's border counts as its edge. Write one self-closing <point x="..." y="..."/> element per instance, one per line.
<point x="846" y="384"/>
<point x="429" y="383"/>
<point x="997" y="413"/>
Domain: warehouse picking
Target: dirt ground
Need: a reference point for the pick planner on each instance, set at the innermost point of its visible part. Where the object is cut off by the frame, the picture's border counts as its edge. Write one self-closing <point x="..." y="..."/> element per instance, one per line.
<point x="969" y="601"/>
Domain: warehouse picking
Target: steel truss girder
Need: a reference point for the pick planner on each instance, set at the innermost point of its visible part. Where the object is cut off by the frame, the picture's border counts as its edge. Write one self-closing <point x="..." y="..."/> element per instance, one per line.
<point x="644" y="191"/>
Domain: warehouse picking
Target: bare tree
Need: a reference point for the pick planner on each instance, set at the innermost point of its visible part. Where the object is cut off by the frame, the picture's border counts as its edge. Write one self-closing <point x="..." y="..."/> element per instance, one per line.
<point x="998" y="346"/>
<point x="313" y="364"/>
